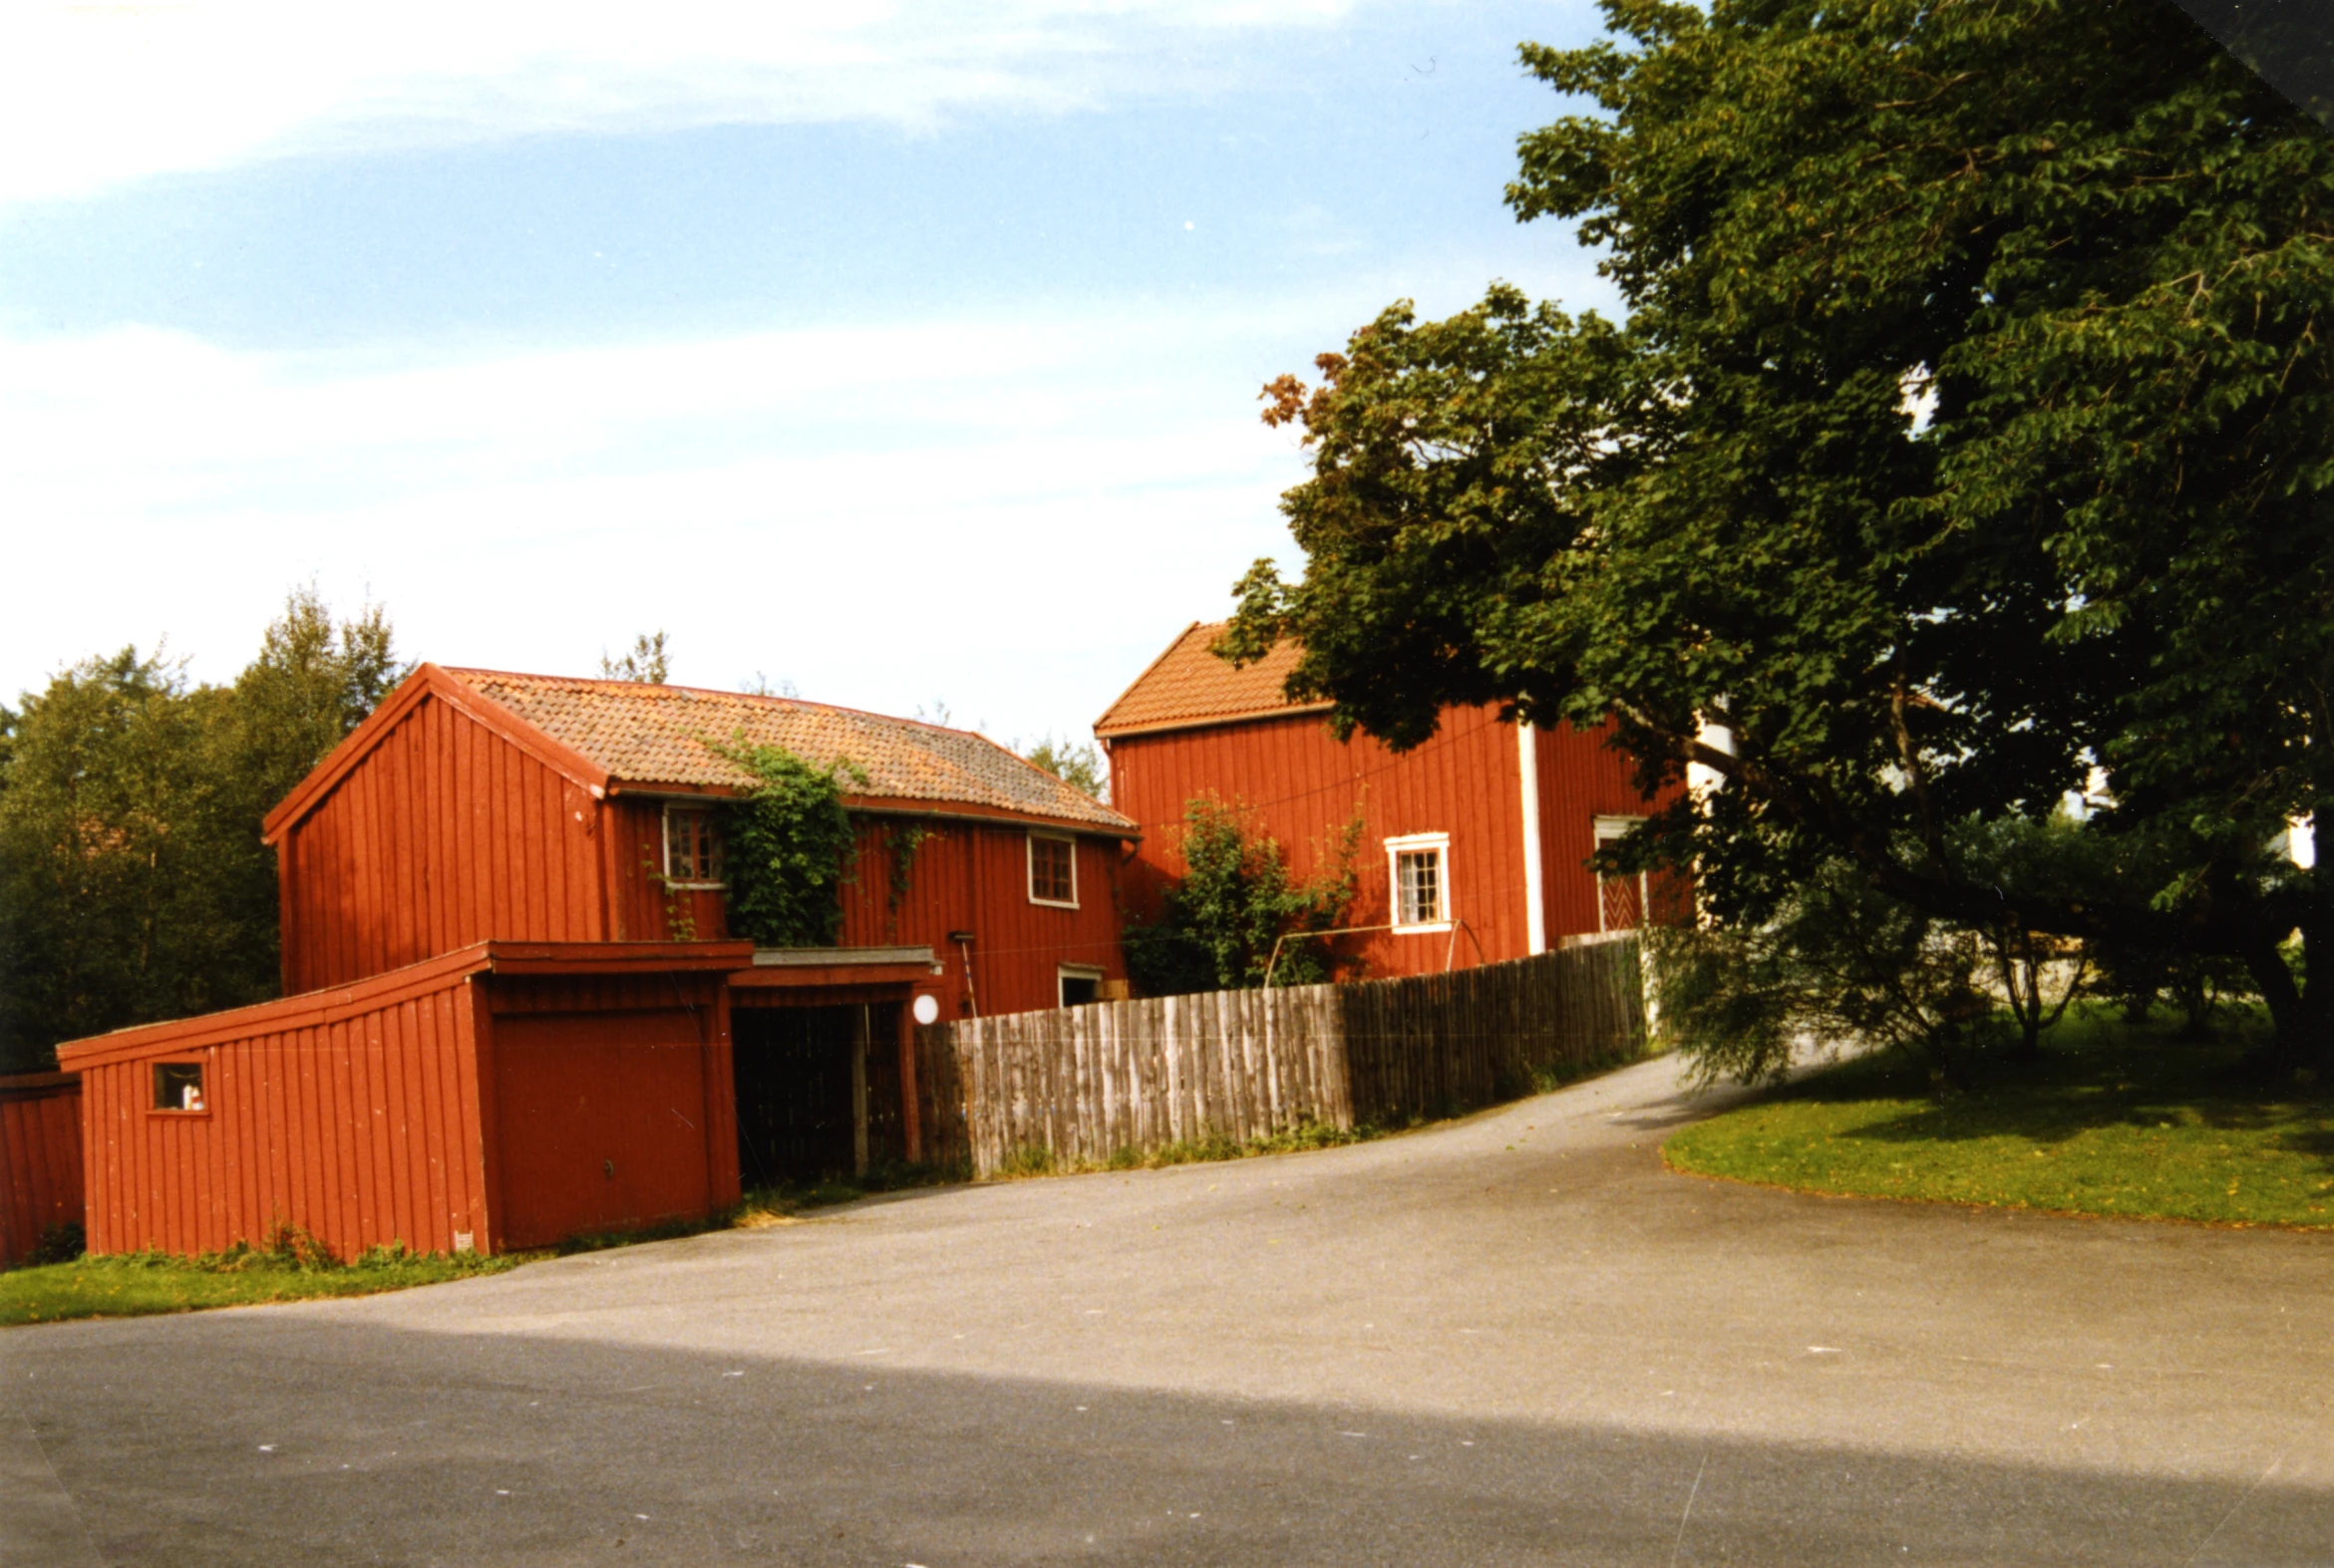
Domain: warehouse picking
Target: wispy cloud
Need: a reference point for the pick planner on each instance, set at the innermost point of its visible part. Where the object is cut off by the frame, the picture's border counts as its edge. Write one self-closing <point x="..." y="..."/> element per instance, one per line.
<point x="94" y="96"/>
<point x="883" y="513"/>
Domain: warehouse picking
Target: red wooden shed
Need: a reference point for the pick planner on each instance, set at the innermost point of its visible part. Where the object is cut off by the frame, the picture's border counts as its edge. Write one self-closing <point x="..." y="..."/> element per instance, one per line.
<point x="506" y="1095"/>
<point x="1473" y="846"/>
<point x="40" y="1160"/>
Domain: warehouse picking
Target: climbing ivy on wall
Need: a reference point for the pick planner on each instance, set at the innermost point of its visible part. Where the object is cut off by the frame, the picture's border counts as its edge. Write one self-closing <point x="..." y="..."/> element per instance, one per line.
<point x="788" y="846"/>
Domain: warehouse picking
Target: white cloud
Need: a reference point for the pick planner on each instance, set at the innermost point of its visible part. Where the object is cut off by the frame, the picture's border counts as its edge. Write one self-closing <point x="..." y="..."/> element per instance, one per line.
<point x="1009" y="514"/>
<point x="92" y="97"/>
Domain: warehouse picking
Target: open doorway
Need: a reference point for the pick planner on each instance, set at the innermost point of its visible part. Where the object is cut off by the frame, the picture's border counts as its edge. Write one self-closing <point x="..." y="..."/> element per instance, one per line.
<point x="818" y="1091"/>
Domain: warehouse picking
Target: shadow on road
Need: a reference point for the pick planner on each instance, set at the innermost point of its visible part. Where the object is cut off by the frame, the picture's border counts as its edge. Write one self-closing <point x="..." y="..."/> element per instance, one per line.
<point x="262" y="1438"/>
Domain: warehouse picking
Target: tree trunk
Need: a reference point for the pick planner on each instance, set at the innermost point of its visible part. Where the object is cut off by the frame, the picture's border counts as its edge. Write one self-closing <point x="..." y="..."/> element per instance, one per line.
<point x="2301" y="1028"/>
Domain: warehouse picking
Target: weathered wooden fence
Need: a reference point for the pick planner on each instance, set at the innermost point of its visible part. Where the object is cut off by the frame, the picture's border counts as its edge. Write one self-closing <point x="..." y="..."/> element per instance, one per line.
<point x="1087" y="1083"/>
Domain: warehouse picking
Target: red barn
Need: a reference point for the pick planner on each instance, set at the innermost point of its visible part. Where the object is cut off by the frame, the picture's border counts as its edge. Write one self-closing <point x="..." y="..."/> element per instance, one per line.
<point x="1473" y="846"/>
<point x="516" y="1007"/>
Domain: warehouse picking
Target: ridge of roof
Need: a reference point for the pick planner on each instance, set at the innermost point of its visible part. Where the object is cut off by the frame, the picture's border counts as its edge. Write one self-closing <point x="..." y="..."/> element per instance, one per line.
<point x="658" y="734"/>
<point x="1187" y="687"/>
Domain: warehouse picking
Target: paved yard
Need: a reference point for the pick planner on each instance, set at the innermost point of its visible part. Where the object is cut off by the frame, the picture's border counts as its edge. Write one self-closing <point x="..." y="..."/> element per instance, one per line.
<point x="1512" y="1341"/>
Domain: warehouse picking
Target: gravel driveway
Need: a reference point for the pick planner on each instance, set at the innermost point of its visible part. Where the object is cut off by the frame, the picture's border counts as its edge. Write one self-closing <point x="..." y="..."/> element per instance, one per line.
<point x="1512" y="1340"/>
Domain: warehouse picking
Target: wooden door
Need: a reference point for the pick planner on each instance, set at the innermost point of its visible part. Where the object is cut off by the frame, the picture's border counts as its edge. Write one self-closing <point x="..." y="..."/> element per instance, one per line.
<point x="602" y="1121"/>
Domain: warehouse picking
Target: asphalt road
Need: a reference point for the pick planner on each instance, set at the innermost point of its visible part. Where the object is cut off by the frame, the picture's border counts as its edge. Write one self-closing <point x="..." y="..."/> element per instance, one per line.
<point x="1515" y="1340"/>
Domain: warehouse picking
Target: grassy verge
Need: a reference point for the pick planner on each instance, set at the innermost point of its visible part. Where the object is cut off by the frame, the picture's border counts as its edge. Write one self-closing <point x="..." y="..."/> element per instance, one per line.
<point x="2109" y="1120"/>
<point x="137" y="1284"/>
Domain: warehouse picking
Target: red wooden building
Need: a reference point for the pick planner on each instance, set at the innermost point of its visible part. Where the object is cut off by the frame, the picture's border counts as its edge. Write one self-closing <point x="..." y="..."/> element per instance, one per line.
<point x="516" y="1010"/>
<point x="40" y="1159"/>
<point x="1473" y="846"/>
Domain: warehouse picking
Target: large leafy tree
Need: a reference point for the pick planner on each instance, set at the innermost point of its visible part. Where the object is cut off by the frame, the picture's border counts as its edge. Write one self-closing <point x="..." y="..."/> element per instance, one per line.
<point x="134" y="886"/>
<point x="1967" y="443"/>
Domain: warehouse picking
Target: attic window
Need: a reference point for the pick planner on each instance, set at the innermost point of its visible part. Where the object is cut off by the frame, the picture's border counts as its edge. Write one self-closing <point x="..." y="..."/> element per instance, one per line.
<point x="178" y="1086"/>
<point x="692" y="848"/>
<point x="1053" y="871"/>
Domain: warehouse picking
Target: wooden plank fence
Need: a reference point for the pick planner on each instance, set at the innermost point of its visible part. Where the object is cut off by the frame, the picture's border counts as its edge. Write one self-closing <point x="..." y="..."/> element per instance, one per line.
<point x="1085" y="1084"/>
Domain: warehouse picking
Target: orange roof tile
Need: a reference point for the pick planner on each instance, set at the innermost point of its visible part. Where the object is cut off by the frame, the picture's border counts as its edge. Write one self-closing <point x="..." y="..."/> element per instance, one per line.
<point x="1187" y="686"/>
<point x="658" y="735"/>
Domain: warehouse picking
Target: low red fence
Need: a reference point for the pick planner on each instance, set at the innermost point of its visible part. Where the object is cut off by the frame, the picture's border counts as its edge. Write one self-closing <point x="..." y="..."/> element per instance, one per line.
<point x="40" y="1159"/>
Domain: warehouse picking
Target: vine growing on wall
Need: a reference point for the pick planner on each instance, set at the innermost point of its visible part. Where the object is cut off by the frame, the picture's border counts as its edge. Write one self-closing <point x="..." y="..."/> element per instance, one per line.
<point x="901" y="844"/>
<point x="787" y="845"/>
<point x="679" y="908"/>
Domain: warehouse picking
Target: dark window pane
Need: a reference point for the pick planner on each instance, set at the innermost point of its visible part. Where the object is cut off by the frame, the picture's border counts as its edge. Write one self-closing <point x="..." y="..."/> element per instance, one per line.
<point x="178" y="1086"/>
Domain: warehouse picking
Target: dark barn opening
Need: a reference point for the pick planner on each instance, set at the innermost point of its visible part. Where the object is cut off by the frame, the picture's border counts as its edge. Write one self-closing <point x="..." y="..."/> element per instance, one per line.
<point x="818" y="1091"/>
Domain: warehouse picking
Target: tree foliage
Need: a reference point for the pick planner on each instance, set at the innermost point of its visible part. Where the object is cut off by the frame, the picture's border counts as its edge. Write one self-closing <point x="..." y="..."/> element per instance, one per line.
<point x="787" y="848"/>
<point x="1226" y="915"/>
<point x="1078" y="766"/>
<point x="1971" y="428"/>
<point x="647" y="661"/>
<point x="134" y="886"/>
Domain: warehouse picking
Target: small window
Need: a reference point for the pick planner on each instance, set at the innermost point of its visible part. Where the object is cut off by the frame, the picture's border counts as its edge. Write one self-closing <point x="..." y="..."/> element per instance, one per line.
<point x="692" y="848"/>
<point x="1053" y="871"/>
<point x="178" y="1086"/>
<point x="1080" y="984"/>
<point x="1419" y="868"/>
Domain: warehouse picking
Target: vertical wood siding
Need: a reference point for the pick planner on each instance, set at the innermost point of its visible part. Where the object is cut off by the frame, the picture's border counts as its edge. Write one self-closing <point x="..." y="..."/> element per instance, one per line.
<point x="361" y="1130"/>
<point x="40" y="1160"/>
<point x="970" y="876"/>
<point x="1087" y="1084"/>
<point x="1303" y="786"/>
<point x="442" y="836"/>
<point x="602" y="1121"/>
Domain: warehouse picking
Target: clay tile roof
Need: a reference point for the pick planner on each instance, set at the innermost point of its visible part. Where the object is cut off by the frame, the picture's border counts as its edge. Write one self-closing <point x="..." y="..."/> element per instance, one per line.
<point x="1187" y="686"/>
<point x="657" y="734"/>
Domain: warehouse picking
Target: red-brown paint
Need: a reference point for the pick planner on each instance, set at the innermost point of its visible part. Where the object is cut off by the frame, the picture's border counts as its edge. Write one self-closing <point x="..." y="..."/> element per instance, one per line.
<point x="382" y="1112"/>
<point x="1301" y="784"/>
<point x="40" y="1159"/>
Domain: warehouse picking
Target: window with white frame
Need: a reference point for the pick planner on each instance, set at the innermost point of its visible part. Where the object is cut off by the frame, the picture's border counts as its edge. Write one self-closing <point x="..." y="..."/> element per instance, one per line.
<point x="1052" y="870"/>
<point x="1417" y="870"/>
<point x="1620" y="901"/>
<point x="692" y="848"/>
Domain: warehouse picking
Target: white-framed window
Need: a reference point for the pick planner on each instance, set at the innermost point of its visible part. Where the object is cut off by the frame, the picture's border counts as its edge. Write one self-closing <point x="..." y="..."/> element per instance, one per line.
<point x="1418" y="872"/>
<point x="1052" y="870"/>
<point x="1621" y="901"/>
<point x="692" y="846"/>
<point x="1078" y="984"/>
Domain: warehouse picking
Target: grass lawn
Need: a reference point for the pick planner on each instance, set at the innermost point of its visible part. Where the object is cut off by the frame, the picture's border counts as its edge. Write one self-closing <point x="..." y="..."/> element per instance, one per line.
<point x="130" y="1285"/>
<point x="2111" y="1121"/>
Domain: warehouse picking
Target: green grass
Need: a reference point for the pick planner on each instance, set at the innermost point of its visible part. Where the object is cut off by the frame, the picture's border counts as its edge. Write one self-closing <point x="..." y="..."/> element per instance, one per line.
<point x="2111" y="1121"/>
<point x="137" y="1284"/>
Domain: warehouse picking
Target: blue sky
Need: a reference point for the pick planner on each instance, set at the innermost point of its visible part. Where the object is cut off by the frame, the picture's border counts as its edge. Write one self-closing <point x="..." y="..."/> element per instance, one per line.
<point x="906" y="354"/>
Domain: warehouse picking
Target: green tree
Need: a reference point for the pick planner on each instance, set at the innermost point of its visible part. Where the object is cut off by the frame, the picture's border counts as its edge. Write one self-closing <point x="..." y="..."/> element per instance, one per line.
<point x="133" y="884"/>
<point x="1224" y="917"/>
<point x="1078" y="766"/>
<point x="787" y="848"/>
<point x="1972" y="427"/>
<point x="647" y="661"/>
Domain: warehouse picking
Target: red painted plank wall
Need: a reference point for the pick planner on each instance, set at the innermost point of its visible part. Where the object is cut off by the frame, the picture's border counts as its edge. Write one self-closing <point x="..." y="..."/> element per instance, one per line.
<point x="40" y="1160"/>
<point x="647" y="910"/>
<point x="614" y="1102"/>
<point x="444" y="834"/>
<point x="358" y="1124"/>
<point x="970" y="876"/>
<point x="1303" y="785"/>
